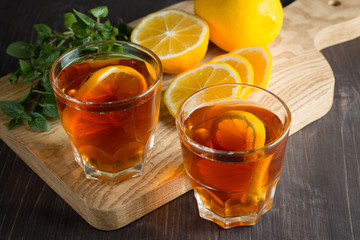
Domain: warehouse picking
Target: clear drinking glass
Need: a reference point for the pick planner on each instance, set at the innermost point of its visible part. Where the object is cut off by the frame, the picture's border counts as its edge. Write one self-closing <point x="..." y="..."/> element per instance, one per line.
<point x="233" y="145"/>
<point x="108" y="97"/>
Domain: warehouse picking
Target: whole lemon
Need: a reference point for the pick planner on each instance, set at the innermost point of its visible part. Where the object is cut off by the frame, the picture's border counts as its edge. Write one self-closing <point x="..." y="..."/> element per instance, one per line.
<point x="238" y="24"/>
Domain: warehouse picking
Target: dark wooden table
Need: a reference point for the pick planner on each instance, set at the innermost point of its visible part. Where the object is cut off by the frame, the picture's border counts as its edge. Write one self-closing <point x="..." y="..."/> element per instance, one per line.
<point x="318" y="194"/>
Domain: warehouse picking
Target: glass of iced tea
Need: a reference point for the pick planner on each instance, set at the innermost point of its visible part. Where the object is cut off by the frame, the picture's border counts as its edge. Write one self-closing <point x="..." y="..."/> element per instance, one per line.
<point x="233" y="147"/>
<point x="108" y="97"/>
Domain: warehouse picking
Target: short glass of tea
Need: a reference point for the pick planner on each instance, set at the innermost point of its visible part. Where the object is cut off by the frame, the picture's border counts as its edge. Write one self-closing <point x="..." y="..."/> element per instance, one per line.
<point x="108" y="98"/>
<point x="233" y="138"/>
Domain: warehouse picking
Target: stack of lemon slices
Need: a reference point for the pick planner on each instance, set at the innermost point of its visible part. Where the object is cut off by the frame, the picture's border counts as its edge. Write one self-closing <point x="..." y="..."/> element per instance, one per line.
<point x="250" y="66"/>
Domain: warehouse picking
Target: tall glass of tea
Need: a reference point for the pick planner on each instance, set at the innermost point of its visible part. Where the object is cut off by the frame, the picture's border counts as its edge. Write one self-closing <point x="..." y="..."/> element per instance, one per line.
<point x="233" y="147"/>
<point x="108" y="97"/>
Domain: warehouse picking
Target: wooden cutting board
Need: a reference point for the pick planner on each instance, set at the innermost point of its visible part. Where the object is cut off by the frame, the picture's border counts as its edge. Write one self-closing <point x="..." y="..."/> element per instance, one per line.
<point x="300" y="75"/>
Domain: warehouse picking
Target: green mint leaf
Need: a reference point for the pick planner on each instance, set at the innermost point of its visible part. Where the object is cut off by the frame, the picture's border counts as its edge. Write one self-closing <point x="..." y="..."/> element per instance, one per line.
<point x="50" y="59"/>
<point x="46" y="82"/>
<point x="30" y="77"/>
<point x="20" y="50"/>
<point x="124" y="28"/>
<point x="86" y="40"/>
<point x="62" y="36"/>
<point x="115" y="31"/>
<point x="105" y="35"/>
<point x="46" y="50"/>
<point x="25" y="116"/>
<point x="103" y="27"/>
<point x="38" y="62"/>
<point x="44" y="33"/>
<point x="50" y="110"/>
<point x="24" y="99"/>
<point x="97" y="37"/>
<point x="38" y="122"/>
<point x="117" y="48"/>
<point x="25" y="66"/>
<point x="99" y="12"/>
<point x="106" y="47"/>
<point x="79" y="29"/>
<point x="14" y="77"/>
<point x="110" y="35"/>
<point x="50" y="99"/>
<point x="70" y="19"/>
<point x="41" y="39"/>
<point x="43" y="29"/>
<point x="14" y="122"/>
<point x="84" y="18"/>
<point x="11" y="109"/>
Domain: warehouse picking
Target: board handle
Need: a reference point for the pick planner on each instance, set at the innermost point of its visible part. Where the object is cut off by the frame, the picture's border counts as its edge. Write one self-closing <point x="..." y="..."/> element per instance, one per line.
<point x="338" y="33"/>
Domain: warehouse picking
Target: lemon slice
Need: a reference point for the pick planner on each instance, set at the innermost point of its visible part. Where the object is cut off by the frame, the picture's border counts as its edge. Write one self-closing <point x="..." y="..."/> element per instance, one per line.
<point x="180" y="39"/>
<point x="189" y="82"/>
<point x="112" y="83"/>
<point x="242" y="66"/>
<point x="261" y="61"/>
<point x="255" y="193"/>
<point x="237" y="131"/>
<point x="242" y="131"/>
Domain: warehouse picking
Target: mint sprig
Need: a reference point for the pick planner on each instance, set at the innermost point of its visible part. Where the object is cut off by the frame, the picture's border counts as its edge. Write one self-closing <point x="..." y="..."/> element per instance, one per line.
<point x="36" y="59"/>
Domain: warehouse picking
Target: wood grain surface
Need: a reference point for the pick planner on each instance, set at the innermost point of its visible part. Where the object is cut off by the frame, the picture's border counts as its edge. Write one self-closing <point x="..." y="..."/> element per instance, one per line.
<point x="316" y="198"/>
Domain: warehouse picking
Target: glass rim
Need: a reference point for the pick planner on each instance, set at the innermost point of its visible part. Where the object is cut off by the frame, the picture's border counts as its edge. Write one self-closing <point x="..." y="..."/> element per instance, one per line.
<point x="235" y="153"/>
<point x="100" y="104"/>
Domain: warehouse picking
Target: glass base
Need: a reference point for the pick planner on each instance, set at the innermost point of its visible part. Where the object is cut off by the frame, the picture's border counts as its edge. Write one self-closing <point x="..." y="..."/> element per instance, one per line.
<point x="113" y="177"/>
<point x="132" y="171"/>
<point x="229" y="222"/>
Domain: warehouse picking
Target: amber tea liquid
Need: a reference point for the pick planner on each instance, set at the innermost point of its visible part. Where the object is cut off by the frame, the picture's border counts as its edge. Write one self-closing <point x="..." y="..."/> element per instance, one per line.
<point x="231" y="185"/>
<point x="116" y="137"/>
